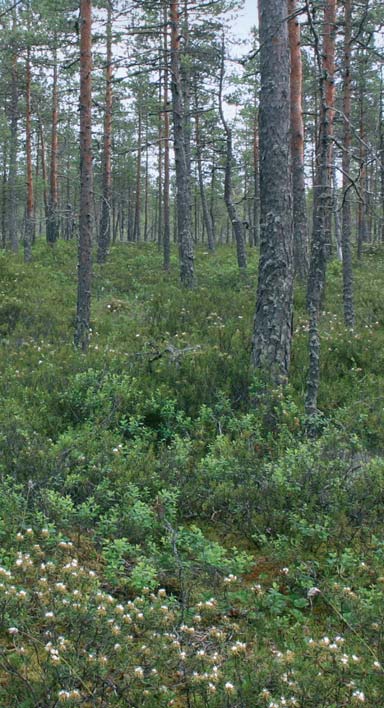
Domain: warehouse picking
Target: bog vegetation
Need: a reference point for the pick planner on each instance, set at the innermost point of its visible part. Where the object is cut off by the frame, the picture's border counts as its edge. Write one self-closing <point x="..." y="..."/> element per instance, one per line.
<point x="191" y="484"/>
<point x="165" y="539"/>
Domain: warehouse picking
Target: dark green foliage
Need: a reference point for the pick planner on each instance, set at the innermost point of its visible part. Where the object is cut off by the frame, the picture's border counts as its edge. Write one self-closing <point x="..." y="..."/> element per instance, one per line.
<point x="158" y="452"/>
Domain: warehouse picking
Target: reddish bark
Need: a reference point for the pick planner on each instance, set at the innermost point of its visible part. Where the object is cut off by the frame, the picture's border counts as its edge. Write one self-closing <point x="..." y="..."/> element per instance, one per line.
<point x="329" y="64"/>
<point x="297" y="146"/>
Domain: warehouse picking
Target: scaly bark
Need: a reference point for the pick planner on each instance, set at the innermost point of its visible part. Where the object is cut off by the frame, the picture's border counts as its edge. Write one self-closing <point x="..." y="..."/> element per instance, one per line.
<point x="349" y="315"/>
<point x="329" y="63"/>
<point x="187" y="276"/>
<point x="166" y="209"/>
<point x="272" y="334"/>
<point x="256" y="181"/>
<point x="85" y="223"/>
<point x="321" y="221"/>
<point x="43" y="168"/>
<point x="29" y="220"/>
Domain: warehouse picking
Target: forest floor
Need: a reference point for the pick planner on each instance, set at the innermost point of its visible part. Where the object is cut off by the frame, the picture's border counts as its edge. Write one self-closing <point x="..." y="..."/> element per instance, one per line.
<point x="170" y="534"/>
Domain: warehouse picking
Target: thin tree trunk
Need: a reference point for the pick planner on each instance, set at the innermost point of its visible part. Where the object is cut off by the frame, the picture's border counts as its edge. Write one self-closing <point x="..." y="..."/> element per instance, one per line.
<point x="167" y="229"/>
<point x="272" y="334"/>
<point x="212" y="199"/>
<point x="85" y="225"/>
<point x="181" y="158"/>
<point x="381" y="146"/>
<point x="256" y="181"/>
<point x="4" y="200"/>
<point x="349" y="315"/>
<point x="105" y="217"/>
<point x="158" y="221"/>
<point x="36" y="205"/>
<point x="237" y="226"/>
<point x="12" y="179"/>
<point x="29" y="221"/>
<point x="207" y="221"/>
<point x="321" y="223"/>
<point x="336" y="214"/>
<point x="185" y="78"/>
<point x="300" y="224"/>
<point x="362" y="209"/>
<point x="53" y="221"/>
<point x="146" y="183"/>
<point x="137" y="224"/>
<point x="329" y="50"/>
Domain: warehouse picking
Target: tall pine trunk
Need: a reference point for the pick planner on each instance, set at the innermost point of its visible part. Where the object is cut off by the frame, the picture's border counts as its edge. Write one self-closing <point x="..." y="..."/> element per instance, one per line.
<point x="137" y="222"/>
<point x="181" y="157"/>
<point x="85" y="222"/>
<point x="381" y="152"/>
<point x="300" y="225"/>
<point x="237" y="225"/>
<point x="321" y="208"/>
<point x="105" y="217"/>
<point x="329" y="63"/>
<point x="53" y="219"/>
<point x="207" y="220"/>
<point x="13" y="140"/>
<point x="29" y="220"/>
<point x="256" y="176"/>
<point x="166" y="209"/>
<point x="346" y="236"/>
<point x="362" y="212"/>
<point x="272" y="334"/>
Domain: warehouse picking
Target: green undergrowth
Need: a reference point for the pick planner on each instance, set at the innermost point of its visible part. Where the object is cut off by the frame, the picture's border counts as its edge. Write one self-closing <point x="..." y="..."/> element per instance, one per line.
<point x="170" y="535"/>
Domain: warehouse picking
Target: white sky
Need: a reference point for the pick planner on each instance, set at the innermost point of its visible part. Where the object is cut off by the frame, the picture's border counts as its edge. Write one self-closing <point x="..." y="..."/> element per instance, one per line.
<point x="246" y="19"/>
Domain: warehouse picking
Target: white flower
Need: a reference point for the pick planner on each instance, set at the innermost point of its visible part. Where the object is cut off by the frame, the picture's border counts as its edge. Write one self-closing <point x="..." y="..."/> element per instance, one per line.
<point x="13" y="630"/>
<point x="312" y="592"/>
<point x="229" y="687"/>
<point x="139" y="671"/>
<point x="358" y="696"/>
